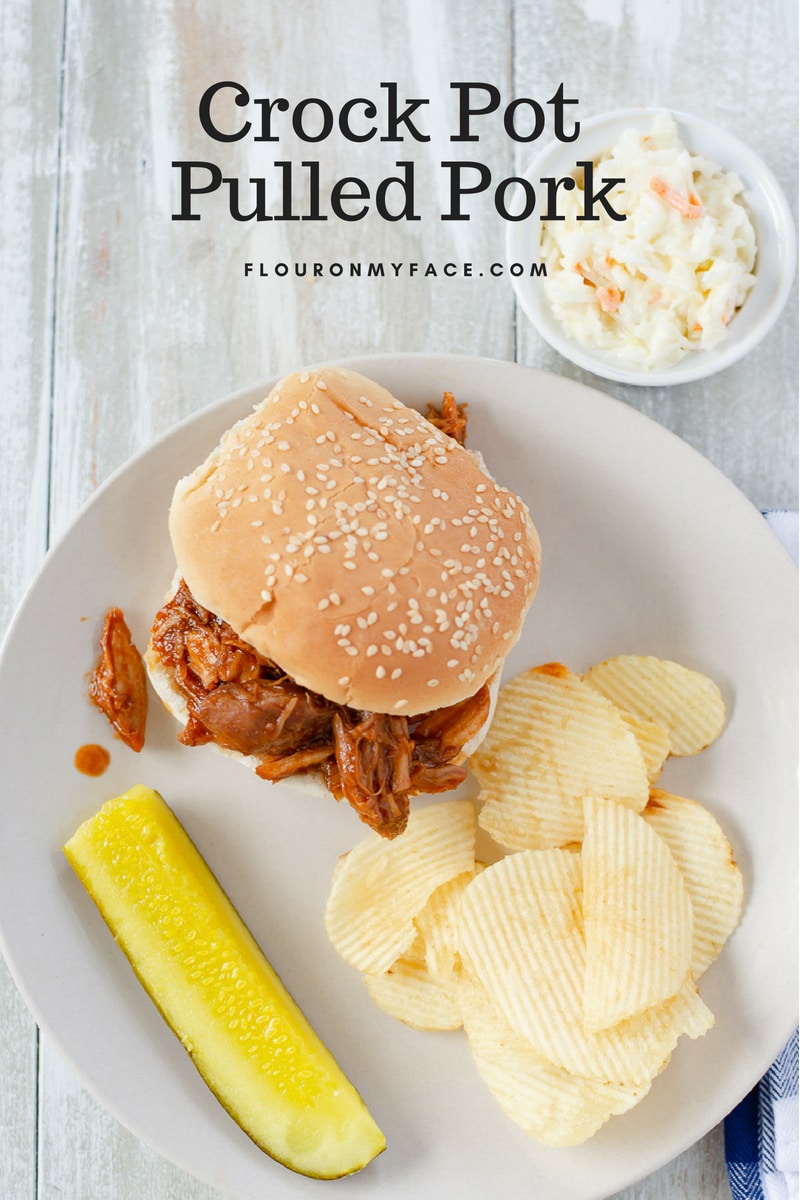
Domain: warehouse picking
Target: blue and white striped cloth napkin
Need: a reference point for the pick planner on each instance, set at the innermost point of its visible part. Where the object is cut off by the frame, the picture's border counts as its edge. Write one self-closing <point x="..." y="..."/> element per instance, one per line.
<point x="761" y="1134"/>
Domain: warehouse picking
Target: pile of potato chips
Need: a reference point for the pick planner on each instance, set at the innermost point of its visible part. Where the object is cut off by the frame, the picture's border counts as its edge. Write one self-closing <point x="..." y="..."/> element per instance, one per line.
<point x="571" y="959"/>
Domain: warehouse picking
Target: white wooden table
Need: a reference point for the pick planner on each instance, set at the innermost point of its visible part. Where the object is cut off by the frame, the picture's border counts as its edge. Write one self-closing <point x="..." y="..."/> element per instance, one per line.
<point x="117" y="320"/>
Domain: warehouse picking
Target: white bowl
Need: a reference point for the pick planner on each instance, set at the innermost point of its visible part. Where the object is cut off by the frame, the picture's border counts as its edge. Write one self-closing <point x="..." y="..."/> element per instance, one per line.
<point x="775" y="239"/>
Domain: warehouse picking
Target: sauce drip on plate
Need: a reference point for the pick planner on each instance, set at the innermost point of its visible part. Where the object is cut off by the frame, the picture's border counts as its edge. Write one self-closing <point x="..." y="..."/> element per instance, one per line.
<point x="92" y="759"/>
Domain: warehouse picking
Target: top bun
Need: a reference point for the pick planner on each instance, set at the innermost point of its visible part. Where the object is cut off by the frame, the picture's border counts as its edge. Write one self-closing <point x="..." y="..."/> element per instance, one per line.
<point x="357" y="546"/>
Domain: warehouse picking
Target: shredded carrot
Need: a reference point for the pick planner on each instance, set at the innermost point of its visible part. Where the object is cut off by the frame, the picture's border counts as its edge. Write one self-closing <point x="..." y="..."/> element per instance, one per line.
<point x="690" y="207"/>
<point x="609" y="298"/>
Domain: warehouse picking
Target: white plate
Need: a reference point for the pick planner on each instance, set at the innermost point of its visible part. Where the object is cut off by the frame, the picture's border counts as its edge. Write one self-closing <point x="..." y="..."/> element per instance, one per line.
<point x="775" y="238"/>
<point x="646" y="548"/>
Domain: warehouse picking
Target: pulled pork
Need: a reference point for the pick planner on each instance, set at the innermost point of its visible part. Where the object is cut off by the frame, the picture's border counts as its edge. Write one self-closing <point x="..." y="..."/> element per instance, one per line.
<point x="244" y="702"/>
<point x="118" y="683"/>
<point x="450" y="417"/>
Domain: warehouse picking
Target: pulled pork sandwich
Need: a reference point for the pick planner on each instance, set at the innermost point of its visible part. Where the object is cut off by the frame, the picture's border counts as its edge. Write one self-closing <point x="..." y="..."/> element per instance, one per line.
<point x="349" y="583"/>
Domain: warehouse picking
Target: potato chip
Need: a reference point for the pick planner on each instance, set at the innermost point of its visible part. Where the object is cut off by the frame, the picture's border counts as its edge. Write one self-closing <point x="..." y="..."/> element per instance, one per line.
<point x="553" y="740"/>
<point x="572" y="960"/>
<point x="705" y="859"/>
<point x="549" y="1103"/>
<point x="653" y="740"/>
<point x="521" y="936"/>
<point x="637" y="916"/>
<point x="410" y="993"/>
<point x="438" y="925"/>
<point x="688" y="705"/>
<point x="380" y="886"/>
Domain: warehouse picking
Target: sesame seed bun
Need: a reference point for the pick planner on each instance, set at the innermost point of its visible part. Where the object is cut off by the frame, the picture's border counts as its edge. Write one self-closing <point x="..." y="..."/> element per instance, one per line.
<point x="358" y="547"/>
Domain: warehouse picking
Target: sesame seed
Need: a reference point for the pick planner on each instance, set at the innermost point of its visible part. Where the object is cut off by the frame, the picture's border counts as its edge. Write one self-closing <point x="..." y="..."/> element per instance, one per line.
<point x="380" y="672"/>
<point x="323" y="604"/>
<point x="396" y="673"/>
<point x="433" y="683"/>
<point x="343" y="682"/>
<point x="401" y="704"/>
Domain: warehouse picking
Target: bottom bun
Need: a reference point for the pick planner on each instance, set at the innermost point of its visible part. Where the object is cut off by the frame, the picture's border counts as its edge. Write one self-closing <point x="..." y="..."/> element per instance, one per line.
<point x="311" y="781"/>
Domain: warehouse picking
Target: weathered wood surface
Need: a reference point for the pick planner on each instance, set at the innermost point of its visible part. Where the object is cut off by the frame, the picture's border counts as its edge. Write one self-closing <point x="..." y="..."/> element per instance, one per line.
<point x="117" y="321"/>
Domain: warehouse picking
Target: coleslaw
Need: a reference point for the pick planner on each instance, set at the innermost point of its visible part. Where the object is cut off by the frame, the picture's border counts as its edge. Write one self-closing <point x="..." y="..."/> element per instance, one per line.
<point x="670" y="277"/>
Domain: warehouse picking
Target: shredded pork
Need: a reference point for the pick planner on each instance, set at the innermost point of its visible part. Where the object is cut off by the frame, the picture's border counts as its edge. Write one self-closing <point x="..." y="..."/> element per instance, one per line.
<point x="118" y="683"/>
<point x="244" y="702"/>
<point x="450" y="417"/>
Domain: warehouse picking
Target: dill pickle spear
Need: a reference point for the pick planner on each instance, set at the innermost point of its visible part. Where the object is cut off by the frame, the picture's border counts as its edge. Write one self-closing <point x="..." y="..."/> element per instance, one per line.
<point x="213" y="985"/>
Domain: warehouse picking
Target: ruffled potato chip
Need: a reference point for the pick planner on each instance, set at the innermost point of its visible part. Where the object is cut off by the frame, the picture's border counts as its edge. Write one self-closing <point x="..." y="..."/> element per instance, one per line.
<point x="521" y="936"/>
<point x="408" y="992"/>
<point x="552" y="1105"/>
<point x="637" y="916"/>
<point x="553" y="741"/>
<point x="380" y="886"/>
<point x="653" y="740"/>
<point x="710" y="872"/>
<point x="686" y="703"/>
<point x="438" y="925"/>
<point x="571" y="959"/>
